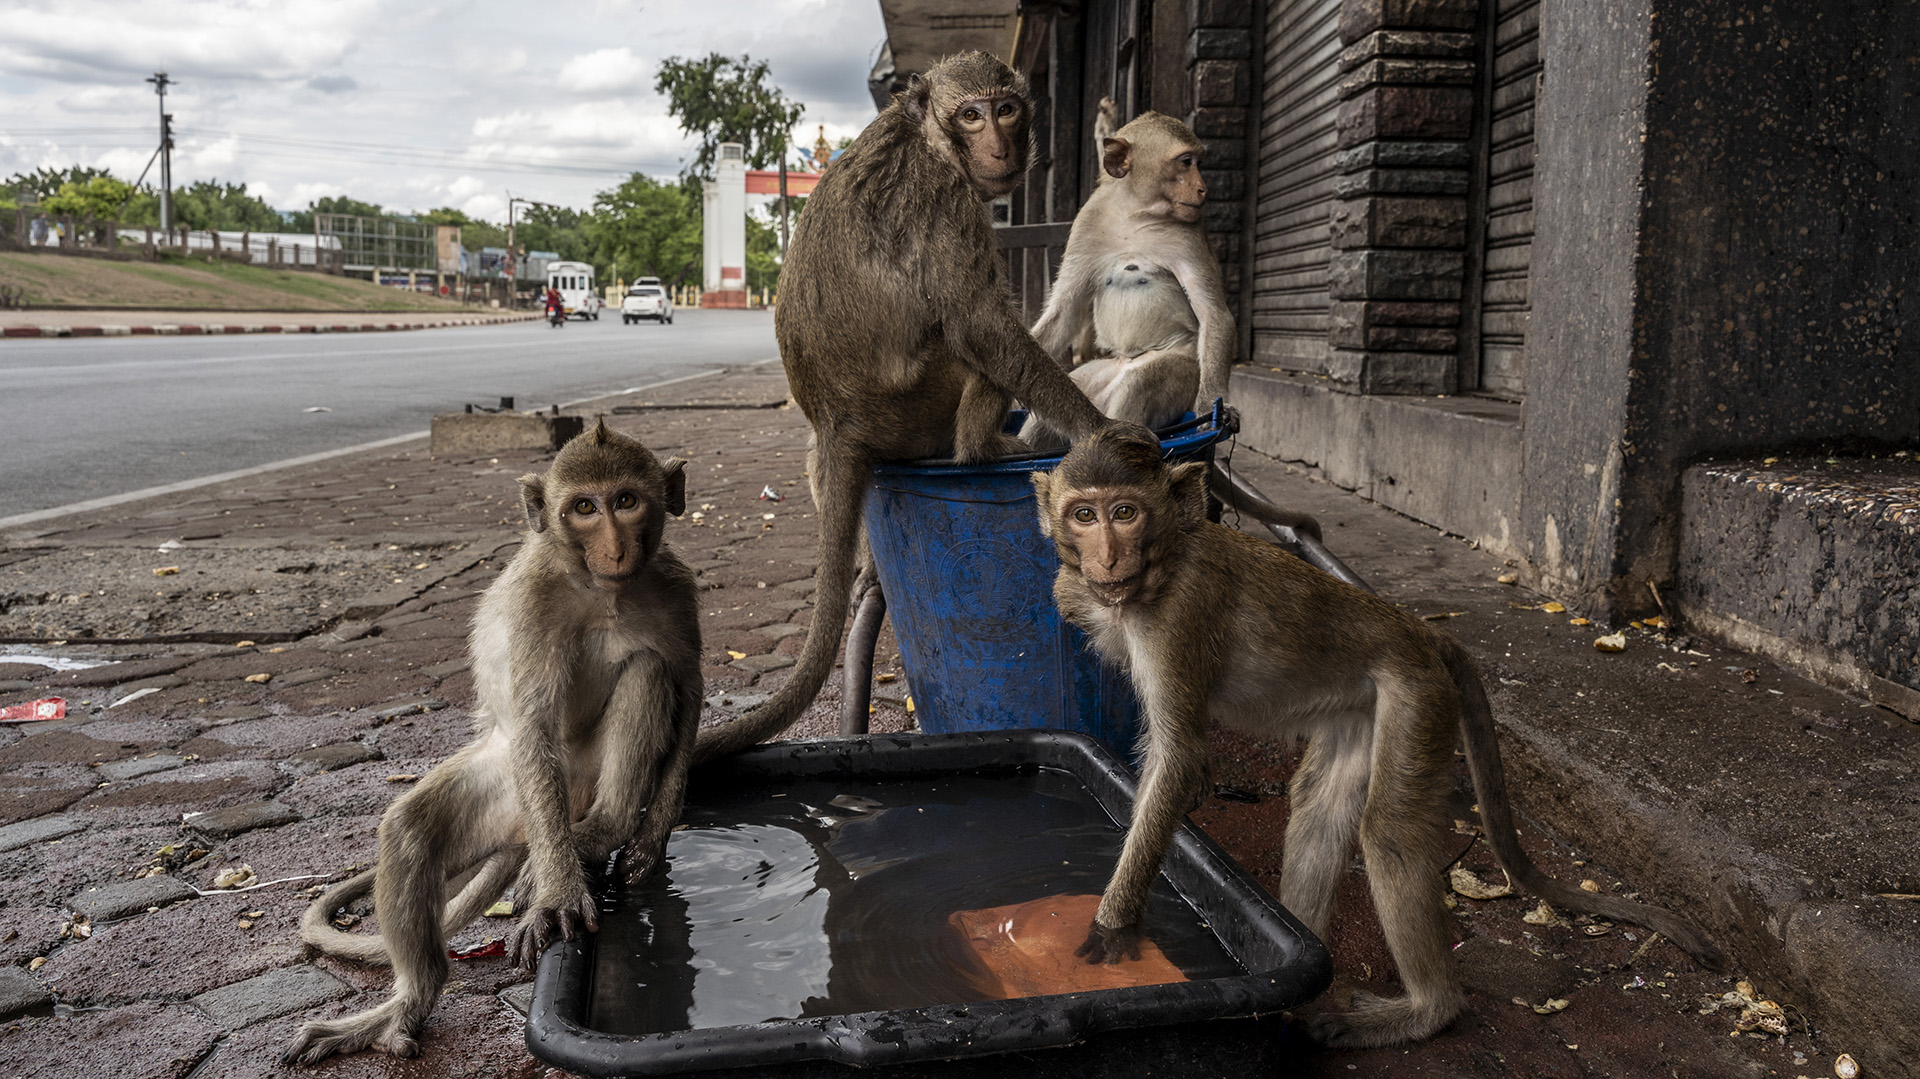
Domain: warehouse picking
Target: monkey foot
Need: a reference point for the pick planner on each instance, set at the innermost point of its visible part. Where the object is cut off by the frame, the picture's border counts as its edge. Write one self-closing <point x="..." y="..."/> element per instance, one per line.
<point x="320" y="1039"/>
<point x="1379" y="1021"/>
<point x="530" y="938"/>
<point x="1105" y="945"/>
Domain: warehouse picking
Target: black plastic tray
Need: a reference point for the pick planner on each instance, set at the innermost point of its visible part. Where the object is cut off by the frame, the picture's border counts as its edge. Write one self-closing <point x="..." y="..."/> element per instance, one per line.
<point x="1137" y="1031"/>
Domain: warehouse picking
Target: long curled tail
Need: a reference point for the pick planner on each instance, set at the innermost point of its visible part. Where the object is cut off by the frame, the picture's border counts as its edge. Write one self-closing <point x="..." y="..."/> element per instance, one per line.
<point x="1496" y="815"/>
<point x="842" y="490"/>
<point x="317" y="928"/>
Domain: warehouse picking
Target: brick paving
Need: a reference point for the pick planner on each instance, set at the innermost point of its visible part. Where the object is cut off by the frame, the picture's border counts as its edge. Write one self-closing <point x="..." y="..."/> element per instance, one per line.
<point x="277" y="755"/>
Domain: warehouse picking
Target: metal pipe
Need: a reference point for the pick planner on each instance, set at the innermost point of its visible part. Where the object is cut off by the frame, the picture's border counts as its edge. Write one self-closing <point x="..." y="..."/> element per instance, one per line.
<point x="857" y="680"/>
<point x="1298" y="533"/>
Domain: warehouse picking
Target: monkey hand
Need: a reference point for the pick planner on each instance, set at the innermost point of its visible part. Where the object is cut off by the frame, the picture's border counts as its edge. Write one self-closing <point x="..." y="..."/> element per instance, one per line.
<point x="536" y="928"/>
<point x="1106" y="944"/>
<point x="640" y="859"/>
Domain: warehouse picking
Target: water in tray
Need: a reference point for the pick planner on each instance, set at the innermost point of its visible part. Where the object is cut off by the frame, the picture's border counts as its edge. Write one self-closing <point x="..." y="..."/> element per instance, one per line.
<point x="824" y="897"/>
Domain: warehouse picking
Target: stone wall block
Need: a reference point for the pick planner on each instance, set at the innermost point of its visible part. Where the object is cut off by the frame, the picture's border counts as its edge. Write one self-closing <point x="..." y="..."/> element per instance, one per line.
<point x="1358" y="18"/>
<point x="1408" y="372"/>
<point x="1218" y="122"/>
<point x="1227" y="154"/>
<point x="1223" y="13"/>
<point x="1222" y="216"/>
<point x="1408" y="155"/>
<point x="1224" y="185"/>
<point x="1400" y="182"/>
<point x="1405" y="112"/>
<point x="1399" y="222"/>
<point x="1394" y="326"/>
<point x="1407" y="43"/>
<point x="1388" y="274"/>
<point x="1219" y="45"/>
<point x="1220" y="82"/>
<point x="1416" y="71"/>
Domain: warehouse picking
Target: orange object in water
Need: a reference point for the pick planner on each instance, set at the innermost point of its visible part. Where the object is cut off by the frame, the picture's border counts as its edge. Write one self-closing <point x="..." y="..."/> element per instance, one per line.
<point x="1026" y="950"/>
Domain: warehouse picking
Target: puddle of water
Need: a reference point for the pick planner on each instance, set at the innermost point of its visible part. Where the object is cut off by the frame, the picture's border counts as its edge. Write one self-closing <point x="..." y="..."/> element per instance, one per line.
<point x="818" y="897"/>
<point x="25" y="653"/>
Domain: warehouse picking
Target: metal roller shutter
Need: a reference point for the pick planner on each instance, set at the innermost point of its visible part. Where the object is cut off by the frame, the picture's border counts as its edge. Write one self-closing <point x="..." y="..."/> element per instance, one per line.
<point x="1292" y="243"/>
<point x="1504" y="305"/>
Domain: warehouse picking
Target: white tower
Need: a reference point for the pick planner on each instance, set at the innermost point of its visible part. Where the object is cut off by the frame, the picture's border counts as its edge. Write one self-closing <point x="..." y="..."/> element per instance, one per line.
<point x="724" y="245"/>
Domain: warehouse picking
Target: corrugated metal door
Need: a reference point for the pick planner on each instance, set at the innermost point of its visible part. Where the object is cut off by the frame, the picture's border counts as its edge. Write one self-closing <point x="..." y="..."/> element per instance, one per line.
<point x="1292" y="242"/>
<point x="1504" y="305"/>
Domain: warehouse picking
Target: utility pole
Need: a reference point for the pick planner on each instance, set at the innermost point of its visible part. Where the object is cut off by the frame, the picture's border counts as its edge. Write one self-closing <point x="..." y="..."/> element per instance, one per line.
<point x="160" y="83"/>
<point x="783" y="198"/>
<point x="513" y="252"/>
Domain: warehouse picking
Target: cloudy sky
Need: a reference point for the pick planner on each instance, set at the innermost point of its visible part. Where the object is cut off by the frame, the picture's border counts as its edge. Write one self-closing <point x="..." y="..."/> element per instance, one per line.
<point x="410" y="105"/>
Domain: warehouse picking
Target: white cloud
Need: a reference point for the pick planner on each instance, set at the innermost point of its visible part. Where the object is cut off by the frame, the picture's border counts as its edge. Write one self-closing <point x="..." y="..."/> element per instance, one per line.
<point x="407" y="105"/>
<point x="257" y="39"/>
<point x="211" y="160"/>
<point x="603" y="71"/>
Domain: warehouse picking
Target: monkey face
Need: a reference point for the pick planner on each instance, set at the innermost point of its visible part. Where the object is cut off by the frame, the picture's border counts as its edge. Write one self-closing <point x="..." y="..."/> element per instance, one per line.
<point x="1183" y="187"/>
<point x="990" y="135"/>
<point x="616" y="531"/>
<point x="1108" y="530"/>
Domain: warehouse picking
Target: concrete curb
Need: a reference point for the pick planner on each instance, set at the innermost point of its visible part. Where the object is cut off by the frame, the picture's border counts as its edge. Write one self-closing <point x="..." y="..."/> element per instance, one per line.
<point x="213" y="328"/>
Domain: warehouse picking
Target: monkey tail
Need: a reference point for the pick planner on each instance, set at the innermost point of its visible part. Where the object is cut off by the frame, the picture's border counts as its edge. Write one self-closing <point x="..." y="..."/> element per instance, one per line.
<point x="1496" y="816"/>
<point x="317" y="928"/>
<point x="843" y="485"/>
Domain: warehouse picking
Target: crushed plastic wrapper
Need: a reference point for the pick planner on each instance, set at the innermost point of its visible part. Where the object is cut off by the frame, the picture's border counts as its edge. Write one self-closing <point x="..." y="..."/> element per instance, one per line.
<point x="488" y="950"/>
<point x="34" y="711"/>
<point x="768" y="494"/>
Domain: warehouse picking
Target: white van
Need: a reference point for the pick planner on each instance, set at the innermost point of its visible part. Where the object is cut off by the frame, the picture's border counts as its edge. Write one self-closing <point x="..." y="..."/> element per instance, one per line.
<point x="574" y="282"/>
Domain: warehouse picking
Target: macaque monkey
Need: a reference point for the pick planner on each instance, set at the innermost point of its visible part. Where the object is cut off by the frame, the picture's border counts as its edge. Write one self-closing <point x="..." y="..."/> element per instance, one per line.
<point x="899" y="338"/>
<point x="1151" y="369"/>
<point x="1212" y="623"/>
<point x="1138" y="273"/>
<point x="586" y="661"/>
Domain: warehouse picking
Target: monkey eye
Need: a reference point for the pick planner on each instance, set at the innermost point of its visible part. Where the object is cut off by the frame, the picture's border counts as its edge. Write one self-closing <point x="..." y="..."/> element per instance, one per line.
<point x="625" y="501"/>
<point x="971" y="115"/>
<point x="1122" y="512"/>
<point x="1084" y="515"/>
<point x="584" y="507"/>
<point x="1007" y="108"/>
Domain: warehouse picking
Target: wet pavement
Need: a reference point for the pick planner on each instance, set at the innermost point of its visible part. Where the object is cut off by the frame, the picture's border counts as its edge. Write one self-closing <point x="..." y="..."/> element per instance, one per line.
<point x="253" y="670"/>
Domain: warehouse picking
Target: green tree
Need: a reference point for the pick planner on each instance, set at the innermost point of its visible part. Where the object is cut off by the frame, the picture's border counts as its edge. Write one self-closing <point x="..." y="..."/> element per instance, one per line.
<point x="721" y="99"/>
<point x="763" y="253"/>
<point x="557" y="229"/>
<point x="44" y="183"/>
<point x="645" y="228"/>
<point x="302" y="220"/>
<point x="101" y="198"/>
<point x="210" y="204"/>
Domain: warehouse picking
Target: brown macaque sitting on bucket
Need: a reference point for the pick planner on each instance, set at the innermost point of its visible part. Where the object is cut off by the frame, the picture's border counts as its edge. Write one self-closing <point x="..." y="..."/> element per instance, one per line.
<point x="898" y="336"/>
<point x="586" y="661"/>
<point x="1139" y="283"/>
<point x="1214" y="624"/>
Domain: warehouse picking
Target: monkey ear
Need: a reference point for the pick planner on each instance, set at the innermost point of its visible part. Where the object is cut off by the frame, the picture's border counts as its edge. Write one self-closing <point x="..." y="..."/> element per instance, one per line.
<point x="676" y="470"/>
<point x="1043" y="495"/>
<point x="533" y="500"/>
<point x="1116" y="156"/>
<point x="1189" y="482"/>
<point x="913" y="100"/>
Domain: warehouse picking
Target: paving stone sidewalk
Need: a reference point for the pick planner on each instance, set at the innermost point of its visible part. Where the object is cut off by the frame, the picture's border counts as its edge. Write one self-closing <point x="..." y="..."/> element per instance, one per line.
<point x="279" y="656"/>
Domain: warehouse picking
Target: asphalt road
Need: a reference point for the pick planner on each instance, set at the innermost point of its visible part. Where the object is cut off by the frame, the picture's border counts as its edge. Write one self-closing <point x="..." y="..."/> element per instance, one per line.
<point x="87" y="418"/>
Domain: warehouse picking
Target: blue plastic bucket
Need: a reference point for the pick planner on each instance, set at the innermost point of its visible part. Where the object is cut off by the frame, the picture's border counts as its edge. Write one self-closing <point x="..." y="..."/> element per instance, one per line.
<point x="969" y="586"/>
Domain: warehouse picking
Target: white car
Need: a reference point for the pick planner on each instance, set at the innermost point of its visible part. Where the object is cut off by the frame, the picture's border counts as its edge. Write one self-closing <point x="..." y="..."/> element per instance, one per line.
<point x="647" y="299"/>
